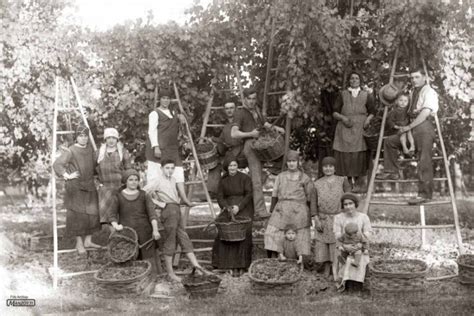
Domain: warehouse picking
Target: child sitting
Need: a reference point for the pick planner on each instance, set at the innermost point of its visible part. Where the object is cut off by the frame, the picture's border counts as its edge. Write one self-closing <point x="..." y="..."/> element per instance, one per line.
<point x="353" y="243"/>
<point x="287" y="248"/>
<point x="397" y="118"/>
<point x="165" y="195"/>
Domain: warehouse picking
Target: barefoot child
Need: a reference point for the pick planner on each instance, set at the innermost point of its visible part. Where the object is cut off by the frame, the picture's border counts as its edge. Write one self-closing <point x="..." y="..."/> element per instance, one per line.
<point x="132" y="207"/>
<point x="397" y="118"/>
<point x="353" y="244"/>
<point x="164" y="193"/>
<point x="288" y="248"/>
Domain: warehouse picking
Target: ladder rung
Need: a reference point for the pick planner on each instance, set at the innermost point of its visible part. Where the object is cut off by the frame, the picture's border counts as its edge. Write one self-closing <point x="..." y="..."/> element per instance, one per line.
<point x="75" y="250"/>
<point x="61" y="226"/>
<point x="198" y="250"/>
<point x="413" y="159"/>
<point x="227" y="90"/>
<point x="65" y="109"/>
<point x="173" y="100"/>
<point x="276" y="92"/>
<point x="215" y="125"/>
<point x="64" y="132"/>
<point x="197" y="226"/>
<point x="66" y="275"/>
<point x="413" y="227"/>
<point x="401" y="75"/>
<point x="194" y="182"/>
<point x="407" y="180"/>
<point x="274" y="69"/>
<point x="381" y="202"/>
<point x="222" y="108"/>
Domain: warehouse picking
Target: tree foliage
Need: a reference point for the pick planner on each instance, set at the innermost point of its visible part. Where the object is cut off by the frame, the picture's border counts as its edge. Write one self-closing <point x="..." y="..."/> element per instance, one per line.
<point x="315" y="43"/>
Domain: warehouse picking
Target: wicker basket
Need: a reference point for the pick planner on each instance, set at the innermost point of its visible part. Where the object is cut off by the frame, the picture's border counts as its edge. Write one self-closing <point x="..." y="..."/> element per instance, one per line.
<point x="128" y="235"/>
<point x="274" y="150"/>
<point x="135" y="285"/>
<point x="466" y="271"/>
<point x="201" y="286"/>
<point x="235" y="230"/>
<point x="388" y="284"/>
<point x="274" y="288"/>
<point x="209" y="159"/>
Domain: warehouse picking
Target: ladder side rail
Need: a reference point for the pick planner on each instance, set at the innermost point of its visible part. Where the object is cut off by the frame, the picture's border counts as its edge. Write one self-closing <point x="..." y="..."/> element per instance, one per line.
<point x="193" y="148"/>
<point x="268" y="71"/>
<point x="53" y="187"/>
<point x="206" y="115"/>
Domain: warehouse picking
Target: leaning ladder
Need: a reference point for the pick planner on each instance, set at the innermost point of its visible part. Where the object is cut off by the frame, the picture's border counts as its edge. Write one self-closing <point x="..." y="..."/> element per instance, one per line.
<point x="65" y="108"/>
<point x="451" y="200"/>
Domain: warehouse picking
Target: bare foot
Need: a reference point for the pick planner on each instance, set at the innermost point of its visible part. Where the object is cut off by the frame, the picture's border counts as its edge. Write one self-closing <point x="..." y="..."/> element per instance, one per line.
<point x="81" y="250"/>
<point x="406" y="151"/>
<point x="92" y="245"/>
<point x="174" y="278"/>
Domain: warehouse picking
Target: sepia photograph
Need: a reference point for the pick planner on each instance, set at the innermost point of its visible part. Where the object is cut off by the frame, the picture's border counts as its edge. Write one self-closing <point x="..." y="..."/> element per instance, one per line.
<point x="236" y="157"/>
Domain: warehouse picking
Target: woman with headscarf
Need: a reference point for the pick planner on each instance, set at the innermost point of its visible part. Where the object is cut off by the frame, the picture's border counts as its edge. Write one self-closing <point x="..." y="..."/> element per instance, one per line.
<point x="112" y="159"/>
<point x="133" y="208"/>
<point x="348" y="272"/>
<point x="77" y="165"/>
<point x="293" y="202"/>
<point x="354" y="109"/>
<point x="329" y="190"/>
<point x="234" y="195"/>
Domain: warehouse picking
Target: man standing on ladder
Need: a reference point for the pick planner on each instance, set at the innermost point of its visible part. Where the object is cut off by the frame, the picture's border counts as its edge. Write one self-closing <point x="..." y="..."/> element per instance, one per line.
<point x="162" y="141"/>
<point x="424" y="104"/>
<point x="247" y="121"/>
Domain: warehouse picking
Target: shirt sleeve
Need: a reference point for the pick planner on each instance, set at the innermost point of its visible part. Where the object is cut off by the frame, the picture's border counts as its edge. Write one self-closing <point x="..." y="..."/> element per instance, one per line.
<point x="238" y="119"/>
<point x="150" y="208"/>
<point x="338" y="104"/>
<point x="370" y="105"/>
<point x="220" y="196"/>
<point x="311" y="196"/>
<point x="114" y="209"/>
<point x="153" y="128"/>
<point x="431" y="101"/>
<point x="62" y="161"/>
<point x="247" y="184"/>
<point x="276" y="186"/>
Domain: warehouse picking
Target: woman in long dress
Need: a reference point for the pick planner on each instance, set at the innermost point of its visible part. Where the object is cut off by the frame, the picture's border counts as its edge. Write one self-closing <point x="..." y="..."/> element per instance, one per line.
<point x="293" y="202"/>
<point x="350" y="214"/>
<point x="354" y="109"/>
<point x="112" y="159"/>
<point x="329" y="190"/>
<point x="77" y="166"/>
<point x="234" y="195"/>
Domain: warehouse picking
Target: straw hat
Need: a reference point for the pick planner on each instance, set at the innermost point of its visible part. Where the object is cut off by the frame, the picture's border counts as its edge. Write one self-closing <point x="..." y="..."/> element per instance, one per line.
<point x="389" y="93"/>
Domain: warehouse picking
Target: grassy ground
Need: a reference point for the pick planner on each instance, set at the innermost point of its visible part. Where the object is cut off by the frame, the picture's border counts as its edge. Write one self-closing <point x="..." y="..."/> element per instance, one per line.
<point x="25" y="273"/>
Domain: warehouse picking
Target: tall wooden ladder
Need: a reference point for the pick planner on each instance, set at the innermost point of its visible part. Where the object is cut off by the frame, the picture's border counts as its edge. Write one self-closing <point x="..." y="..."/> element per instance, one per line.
<point x="451" y="201"/>
<point x="63" y="105"/>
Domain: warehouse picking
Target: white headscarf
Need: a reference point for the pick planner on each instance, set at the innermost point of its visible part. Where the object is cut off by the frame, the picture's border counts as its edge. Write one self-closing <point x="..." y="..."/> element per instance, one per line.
<point x="103" y="150"/>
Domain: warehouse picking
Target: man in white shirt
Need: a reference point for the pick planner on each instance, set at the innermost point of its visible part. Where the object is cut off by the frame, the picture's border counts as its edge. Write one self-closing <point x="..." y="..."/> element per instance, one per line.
<point x="424" y="104"/>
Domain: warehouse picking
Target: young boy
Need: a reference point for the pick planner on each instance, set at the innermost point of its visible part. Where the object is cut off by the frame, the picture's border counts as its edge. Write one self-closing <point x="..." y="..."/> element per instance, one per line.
<point x="164" y="194"/>
<point x="397" y="118"/>
<point x="352" y="243"/>
<point x="287" y="249"/>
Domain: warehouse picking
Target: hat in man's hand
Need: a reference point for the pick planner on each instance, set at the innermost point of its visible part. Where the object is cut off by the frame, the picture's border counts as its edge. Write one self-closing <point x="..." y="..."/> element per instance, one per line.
<point x="389" y="93"/>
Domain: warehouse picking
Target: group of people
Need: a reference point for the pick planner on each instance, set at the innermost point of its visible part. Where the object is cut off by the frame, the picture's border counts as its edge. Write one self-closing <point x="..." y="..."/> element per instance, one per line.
<point x="341" y="232"/>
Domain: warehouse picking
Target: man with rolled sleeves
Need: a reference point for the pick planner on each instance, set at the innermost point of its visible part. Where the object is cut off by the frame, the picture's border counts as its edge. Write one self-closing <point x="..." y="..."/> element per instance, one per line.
<point x="424" y="105"/>
<point x="247" y="122"/>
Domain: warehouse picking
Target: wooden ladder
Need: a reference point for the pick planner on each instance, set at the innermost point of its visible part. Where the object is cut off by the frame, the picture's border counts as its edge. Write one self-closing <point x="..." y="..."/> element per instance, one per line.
<point x="447" y="178"/>
<point x="65" y="108"/>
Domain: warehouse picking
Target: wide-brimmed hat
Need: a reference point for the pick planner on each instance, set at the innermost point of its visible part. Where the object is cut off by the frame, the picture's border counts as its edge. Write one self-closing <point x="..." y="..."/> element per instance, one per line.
<point x="111" y="132"/>
<point x="389" y="93"/>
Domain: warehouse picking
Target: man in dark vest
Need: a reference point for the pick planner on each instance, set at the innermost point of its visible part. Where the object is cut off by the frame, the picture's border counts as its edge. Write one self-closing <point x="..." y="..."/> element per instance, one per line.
<point x="226" y="145"/>
<point x="424" y="104"/>
<point x="247" y="122"/>
<point x="162" y="141"/>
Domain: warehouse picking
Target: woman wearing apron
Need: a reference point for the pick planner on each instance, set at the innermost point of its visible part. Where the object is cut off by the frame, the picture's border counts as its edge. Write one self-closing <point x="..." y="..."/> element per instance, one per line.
<point x="354" y="109"/>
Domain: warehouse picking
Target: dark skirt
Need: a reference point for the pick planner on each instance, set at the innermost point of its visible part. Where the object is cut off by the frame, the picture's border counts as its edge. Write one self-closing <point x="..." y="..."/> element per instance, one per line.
<point x="232" y="255"/>
<point x="81" y="224"/>
<point x="351" y="164"/>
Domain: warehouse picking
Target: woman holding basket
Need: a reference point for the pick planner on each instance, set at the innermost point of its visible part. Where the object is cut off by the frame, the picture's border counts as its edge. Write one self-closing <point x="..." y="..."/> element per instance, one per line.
<point x="234" y="196"/>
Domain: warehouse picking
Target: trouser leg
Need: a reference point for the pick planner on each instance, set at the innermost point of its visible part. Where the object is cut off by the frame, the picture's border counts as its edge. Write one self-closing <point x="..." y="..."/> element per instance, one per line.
<point x="391" y="147"/>
<point x="424" y="138"/>
<point x="255" y="167"/>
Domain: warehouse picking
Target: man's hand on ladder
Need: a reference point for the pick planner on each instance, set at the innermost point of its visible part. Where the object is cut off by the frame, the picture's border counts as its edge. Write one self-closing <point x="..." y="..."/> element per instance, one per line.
<point x="182" y="118"/>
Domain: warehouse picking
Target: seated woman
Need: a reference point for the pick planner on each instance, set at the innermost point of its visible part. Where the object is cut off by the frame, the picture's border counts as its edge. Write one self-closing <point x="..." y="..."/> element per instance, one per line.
<point x="293" y="202"/>
<point x="234" y="195"/>
<point x="132" y="207"/>
<point x="348" y="271"/>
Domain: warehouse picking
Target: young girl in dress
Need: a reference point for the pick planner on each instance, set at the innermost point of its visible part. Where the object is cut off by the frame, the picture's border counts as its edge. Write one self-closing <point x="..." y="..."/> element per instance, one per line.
<point x="132" y="207"/>
<point x="329" y="190"/>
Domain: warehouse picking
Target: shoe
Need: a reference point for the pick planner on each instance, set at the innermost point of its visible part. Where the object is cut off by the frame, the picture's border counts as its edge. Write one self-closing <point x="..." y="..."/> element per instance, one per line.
<point x="387" y="176"/>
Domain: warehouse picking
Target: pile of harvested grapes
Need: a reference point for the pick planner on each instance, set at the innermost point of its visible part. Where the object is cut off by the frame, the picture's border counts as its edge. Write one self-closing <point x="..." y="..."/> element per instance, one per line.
<point x="276" y="271"/>
<point x="402" y="266"/>
<point x="121" y="249"/>
<point x="121" y="272"/>
<point x="467" y="260"/>
<point x="204" y="147"/>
